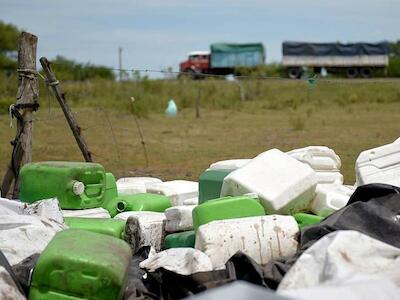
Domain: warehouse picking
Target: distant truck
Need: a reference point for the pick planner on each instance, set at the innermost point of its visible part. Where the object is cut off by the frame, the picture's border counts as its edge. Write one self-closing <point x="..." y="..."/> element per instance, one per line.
<point x="223" y="59"/>
<point x="355" y="59"/>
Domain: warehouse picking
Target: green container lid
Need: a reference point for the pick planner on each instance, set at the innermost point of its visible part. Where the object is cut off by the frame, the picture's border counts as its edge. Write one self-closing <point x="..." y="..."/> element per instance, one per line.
<point x="184" y="239"/>
<point x="210" y="184"/>
<point x="79" y="264"/>
<point x="76" y="185"/>
<point x="112" y="227"/>
<point x="226" y="208"/>
<point x="304" y="219"/>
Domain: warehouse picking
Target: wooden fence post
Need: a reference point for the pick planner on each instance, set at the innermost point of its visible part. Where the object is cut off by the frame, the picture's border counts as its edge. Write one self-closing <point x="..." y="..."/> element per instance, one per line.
<point x="198" y="103"/>
<point x="26" y="103"/>
<point x="76" y="130"/>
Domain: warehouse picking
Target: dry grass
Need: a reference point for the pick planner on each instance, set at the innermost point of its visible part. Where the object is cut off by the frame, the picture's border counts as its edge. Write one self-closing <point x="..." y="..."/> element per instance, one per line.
<point x="183" y="147"/>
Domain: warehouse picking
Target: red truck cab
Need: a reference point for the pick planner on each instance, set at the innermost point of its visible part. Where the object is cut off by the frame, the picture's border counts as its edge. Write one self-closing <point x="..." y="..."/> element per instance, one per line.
<point x="198" y="62"/>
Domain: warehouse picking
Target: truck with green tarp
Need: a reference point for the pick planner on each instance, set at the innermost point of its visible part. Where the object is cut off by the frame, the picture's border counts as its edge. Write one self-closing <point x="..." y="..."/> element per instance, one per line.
<point x="223" y="59"/>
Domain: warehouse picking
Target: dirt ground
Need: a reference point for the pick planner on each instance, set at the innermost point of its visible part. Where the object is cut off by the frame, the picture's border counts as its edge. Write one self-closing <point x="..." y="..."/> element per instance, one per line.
<point x="184" y="146"/>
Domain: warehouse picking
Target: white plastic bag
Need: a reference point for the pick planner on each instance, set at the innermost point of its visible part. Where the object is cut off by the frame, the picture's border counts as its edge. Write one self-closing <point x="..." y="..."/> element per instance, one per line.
<point x="184" y="261"/>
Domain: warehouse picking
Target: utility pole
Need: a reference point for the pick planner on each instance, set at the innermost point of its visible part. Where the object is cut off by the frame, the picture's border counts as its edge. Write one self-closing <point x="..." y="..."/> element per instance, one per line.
<point x="120" y="63"/>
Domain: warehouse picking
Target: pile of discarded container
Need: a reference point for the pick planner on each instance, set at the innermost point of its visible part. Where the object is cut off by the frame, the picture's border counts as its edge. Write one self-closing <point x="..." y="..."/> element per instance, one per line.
<point x="283" y="222"/>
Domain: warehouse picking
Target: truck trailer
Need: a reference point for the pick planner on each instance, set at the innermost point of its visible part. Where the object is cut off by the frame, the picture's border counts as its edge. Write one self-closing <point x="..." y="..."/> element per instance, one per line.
<point x="353" y="59"/>
<point x="223" y="59"/>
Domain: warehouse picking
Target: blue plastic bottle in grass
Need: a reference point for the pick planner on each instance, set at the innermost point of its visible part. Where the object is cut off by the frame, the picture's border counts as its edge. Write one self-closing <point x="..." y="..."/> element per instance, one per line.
<point x="172" y="109"/>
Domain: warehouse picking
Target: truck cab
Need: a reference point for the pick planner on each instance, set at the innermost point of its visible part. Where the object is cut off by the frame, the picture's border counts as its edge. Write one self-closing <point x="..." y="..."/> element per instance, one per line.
<point x="198" y="62"/>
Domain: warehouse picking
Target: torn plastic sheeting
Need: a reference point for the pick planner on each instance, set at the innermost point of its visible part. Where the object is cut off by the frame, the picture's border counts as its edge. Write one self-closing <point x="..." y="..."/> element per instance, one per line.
<point x="87" y="213"/>
<point x="8" y="289"/>
<point x="169" y="285"/>
<point x="262" y="238"/>
<point x="336" y="258"/>
<point x="237" y="291"/>
<point x="22" y="235"/>
<point x="365" y="288"/>
<point x="48" y="208"/>
<point x="184" y="261"/>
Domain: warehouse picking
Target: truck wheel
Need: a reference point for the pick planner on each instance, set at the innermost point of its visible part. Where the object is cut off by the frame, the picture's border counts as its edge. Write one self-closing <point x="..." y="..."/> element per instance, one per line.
<point x="294" y="73"/>
<point x="366" y="72"/>
<point x="351" y="72"/>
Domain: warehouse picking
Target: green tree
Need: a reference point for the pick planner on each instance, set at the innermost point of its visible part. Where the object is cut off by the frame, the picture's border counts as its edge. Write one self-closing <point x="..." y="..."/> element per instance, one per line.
<point x="67" y="69"/>
<point x="8" y="44"/>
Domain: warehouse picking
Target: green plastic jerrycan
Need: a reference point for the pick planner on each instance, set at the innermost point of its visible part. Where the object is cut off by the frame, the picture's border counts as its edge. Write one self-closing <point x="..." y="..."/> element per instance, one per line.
<point x="79" y="264"/>
<point x="304" y="219"/>
<point x="76" y="185"/>
<point x="226" y="208"/>
<point x="112" y="227"/>
<point x="111" y="187"/>
<point x="142" y="202"/>
<point x="210" y="184"/>
<point x="110" y="195"/>
<point x="184" y="239"/>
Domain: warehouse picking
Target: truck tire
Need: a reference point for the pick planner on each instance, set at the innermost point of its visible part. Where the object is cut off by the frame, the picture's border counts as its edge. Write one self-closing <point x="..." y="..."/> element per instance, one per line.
<point x="366" y="72"/>
<point x="294" y="73"/>
<point x="351" y="72"/>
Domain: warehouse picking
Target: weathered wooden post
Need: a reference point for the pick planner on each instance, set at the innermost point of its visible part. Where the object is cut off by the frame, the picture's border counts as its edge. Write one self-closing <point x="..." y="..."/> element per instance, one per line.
<point x="26" y="103"/>
<point x="73" y="125"/>
<point x="198" y="103"/>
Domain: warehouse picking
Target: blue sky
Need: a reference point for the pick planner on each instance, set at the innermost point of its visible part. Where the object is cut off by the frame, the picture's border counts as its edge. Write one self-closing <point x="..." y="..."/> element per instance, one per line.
<point x="158" y="34"/>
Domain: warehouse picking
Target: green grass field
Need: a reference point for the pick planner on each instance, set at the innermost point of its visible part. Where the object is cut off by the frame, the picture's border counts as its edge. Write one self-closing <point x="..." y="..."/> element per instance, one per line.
<point x="348" y="116"/>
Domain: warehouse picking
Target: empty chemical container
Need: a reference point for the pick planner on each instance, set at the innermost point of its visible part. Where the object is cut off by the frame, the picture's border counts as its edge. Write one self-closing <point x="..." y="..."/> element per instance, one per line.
<point x="304" y="219"/>
<point x="184" y="239"/>
<point x="229" y="164"/>
<point x="379" y="165"/>
<point x="226" y="208"/>
<point x="179" y="218"/>
<point x="79" y="264"/>
<point x="110" y="227"/>
<point x="143" y="228"/>
<point x="283" y="184"/>
<point x="330" y="198"/>
<point x="134" y="185"/>
<point x="329" y="177"/>
<point x="317" y="157"/>
<point x="180" y="192"/>
<point x="76" y="185"/>
<point x="210" y="184"/>
<point x="262" y="238"/>
<point x="142" y="202"/>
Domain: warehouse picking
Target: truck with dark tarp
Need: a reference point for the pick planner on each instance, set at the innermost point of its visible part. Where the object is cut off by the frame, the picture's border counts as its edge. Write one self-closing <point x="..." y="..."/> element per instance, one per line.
<point x="353" y="59"/>
<point x="223" y="59"/>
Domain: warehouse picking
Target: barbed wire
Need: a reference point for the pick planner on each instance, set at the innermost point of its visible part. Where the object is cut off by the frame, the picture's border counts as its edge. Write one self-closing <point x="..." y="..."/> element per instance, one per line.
<point x="233" y="77"/>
